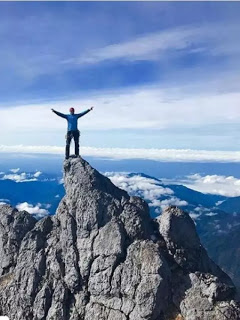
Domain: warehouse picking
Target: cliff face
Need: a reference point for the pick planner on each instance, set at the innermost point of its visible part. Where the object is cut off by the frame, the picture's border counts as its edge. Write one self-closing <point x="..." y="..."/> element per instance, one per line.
<point x="102" y="257"/>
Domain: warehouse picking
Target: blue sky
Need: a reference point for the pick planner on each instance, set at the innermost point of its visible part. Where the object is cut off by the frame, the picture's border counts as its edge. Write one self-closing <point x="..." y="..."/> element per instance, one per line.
<point x="160" y="74"/>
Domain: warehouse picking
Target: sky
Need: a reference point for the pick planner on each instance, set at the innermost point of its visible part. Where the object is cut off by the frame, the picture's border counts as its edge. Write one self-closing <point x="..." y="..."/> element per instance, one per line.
<point x="161" y="75"/>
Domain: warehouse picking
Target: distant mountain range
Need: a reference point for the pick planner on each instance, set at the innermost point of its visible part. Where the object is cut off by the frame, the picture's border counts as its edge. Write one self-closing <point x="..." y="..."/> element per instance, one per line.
<point x="46" y="191"/>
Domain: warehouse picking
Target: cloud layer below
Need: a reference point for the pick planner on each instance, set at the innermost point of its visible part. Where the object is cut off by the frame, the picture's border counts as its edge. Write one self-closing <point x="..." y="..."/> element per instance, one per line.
<point x="174" y="155"/>
<point x="151" y="190"/>
<point x="228" y="186"/>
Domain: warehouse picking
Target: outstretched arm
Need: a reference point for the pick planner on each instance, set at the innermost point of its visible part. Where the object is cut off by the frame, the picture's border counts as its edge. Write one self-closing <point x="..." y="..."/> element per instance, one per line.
<point x="59" y="114"/>
<point x="79" y="115"/>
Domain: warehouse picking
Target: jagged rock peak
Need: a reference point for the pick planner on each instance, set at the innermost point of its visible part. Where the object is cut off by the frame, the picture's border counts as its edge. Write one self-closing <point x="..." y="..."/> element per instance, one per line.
<point x="81" y="178"/>
<point x="102" y="257"/>
<point x="93" y="200"/>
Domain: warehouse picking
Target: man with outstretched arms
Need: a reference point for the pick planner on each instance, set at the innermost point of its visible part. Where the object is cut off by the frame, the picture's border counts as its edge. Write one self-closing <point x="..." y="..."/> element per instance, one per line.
<point x="73" y="132"/>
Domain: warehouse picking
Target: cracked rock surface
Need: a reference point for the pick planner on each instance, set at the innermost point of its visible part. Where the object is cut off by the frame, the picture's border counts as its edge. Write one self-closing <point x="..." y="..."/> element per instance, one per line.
<point x="102" y="257"/>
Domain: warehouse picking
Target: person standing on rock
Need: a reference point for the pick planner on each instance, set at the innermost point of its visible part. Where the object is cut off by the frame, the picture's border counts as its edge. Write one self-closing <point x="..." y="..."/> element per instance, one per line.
<point x="73" y="131"/>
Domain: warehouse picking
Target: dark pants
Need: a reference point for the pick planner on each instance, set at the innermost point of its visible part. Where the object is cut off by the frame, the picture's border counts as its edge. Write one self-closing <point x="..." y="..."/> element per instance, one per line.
<point x="75" y="136"/>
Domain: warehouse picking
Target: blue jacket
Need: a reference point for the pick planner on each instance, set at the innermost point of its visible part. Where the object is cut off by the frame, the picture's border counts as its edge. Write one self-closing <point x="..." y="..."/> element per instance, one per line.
<point x="72" y="119"/>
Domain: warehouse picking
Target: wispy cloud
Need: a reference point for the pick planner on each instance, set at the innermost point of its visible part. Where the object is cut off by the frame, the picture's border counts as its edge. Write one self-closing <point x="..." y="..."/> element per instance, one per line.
<point x="207" y="39"/>
<point x="14" y="170"/>
<point x="50" y="63"/>
<point x="147" y="47"/>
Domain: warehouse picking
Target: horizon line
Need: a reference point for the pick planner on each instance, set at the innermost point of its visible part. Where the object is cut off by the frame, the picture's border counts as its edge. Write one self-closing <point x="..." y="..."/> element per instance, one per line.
<point x="175" y="155"/>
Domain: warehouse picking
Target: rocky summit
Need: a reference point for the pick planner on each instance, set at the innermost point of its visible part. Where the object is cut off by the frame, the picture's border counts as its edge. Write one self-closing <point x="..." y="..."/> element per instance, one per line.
<point x="101" y="257"/>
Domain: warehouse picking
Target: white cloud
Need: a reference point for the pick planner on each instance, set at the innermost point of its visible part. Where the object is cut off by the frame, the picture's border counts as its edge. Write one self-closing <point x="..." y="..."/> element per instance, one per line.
<point x="149" y="189"/>
<point x="176" y="155"/>
<point x="36" y="210"/>
<point x="173" y="201"/>
<point x="61" y="181"/>
<point x="199" y="211"/>
<point x="138" y="108"/>
<point x="14" y="170"/>
<point x="37" y="174"/>
<point x="219" y="202"/>
<point x="194" y="216"/>
<point x="21" y="177"/>
<point x="2" y="203"/>
<point x="211" y="214"/>
<point x="214" y="184"/>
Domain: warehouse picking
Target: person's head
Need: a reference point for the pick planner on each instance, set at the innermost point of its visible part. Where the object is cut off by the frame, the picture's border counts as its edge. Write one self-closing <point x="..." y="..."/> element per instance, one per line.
<point x="71" y="110"/>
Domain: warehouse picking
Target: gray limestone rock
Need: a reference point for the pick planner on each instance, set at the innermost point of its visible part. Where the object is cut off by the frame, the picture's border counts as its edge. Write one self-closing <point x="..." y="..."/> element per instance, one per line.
<point x="13" y="227"/>
<point x="102" y="257"/>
